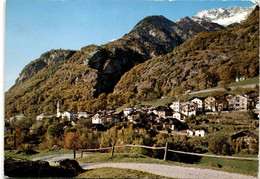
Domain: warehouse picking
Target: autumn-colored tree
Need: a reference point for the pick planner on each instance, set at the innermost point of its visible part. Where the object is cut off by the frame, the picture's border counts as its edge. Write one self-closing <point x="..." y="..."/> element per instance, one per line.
<point x="71" y="139"/>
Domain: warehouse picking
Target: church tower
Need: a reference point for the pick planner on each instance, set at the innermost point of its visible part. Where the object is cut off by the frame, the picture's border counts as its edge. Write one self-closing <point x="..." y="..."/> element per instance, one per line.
<point x="59" y="109"/>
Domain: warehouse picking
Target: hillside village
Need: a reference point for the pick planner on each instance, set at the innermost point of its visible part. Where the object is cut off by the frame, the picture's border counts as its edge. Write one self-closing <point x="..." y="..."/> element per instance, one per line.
<point x="168" y="118"/>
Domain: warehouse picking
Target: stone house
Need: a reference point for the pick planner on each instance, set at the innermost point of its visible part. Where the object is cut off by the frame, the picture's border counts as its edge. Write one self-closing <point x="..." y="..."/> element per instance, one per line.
<point x="186" y="108"/>
<point x="86" y="114"/>
<point x="173" y="124"/>
<point x="43" y="115"/>
<point x="198" y="103"/>
<point x="112" y="119"/>
<point x="163" y="111"/>
<point x="179" y="116"/>
<point x="197" y="132"/>
<point x="176" y="106"/>
<point x="127" y="111"/>
<point x="214" y="104"/>
<point x="200" y="132"/>
<point x="189" y="109"/>
<point x="239" y="103"/>
<point x="98" y="119"/>
<point x="71" y="116"/>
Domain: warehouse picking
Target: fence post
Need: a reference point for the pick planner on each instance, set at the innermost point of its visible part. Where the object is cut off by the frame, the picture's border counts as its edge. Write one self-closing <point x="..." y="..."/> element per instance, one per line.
<point x="113" y="147"/>
<point x="165" y="152"/>
<point x="74" y="152"/>
<point x="14" y="140"/>
<point x="81" y="155"/>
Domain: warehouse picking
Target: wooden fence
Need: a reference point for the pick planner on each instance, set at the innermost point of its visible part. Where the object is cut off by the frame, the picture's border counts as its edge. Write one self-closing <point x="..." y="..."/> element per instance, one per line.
<point x="166" y="150"/>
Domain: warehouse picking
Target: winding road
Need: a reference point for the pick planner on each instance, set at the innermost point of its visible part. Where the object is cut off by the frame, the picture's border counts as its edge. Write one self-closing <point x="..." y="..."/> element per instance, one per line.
<point x="158" y="169"/>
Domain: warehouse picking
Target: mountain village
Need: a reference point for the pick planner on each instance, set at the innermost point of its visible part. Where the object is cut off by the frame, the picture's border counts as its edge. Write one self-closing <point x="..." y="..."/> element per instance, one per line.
<point x="184" y="91"/>
<point x="168" y="118"/>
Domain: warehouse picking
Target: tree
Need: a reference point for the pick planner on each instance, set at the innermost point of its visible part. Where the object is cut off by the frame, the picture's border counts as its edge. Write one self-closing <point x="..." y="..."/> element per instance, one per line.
<point x="55" y="129"/>
<point x="218" y="144"/>
<point x="71" y="139"/>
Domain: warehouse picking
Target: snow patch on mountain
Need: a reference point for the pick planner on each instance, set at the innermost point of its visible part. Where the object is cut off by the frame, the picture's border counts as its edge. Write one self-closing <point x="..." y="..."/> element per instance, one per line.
<point x="224" y="16"/>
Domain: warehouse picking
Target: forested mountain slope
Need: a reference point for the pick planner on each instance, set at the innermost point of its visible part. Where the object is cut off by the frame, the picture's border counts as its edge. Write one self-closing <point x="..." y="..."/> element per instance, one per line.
<point x="205" y="61"/>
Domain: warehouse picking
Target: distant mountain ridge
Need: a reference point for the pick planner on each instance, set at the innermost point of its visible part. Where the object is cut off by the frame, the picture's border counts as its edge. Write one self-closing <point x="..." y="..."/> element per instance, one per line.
<point x="224" y="16"/>
<point x="205" y="61"/>
<point x="152" y="36"/>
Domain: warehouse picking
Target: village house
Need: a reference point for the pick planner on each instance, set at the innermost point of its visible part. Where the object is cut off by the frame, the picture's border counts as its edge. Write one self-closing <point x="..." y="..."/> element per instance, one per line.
<point x="127" y="111"/>
<point x="254" y="96"/>
<point x="151" y="109"/>
<point x="71" y="116"/>
<point x="112" y="119"/>
<point x="81" y="115"/>
<point x="98" y="119"/>
<point x="179" y="116"/>
<point x="214" y="104"/>
<point x="197" y="132"/>
<point x="239" y="103"/>
<point x="188" y="109"/>
<point x="176" y="106"/>
<point x="198" y="103"/>
<point x="173" y="124"/>
<point x="185" y="108"/>
<point x="135" y="116"/>
<point x="43" y="115"/>
<point x="163" y="111"/>
<point x="200" y="132"/>
<point x="240" y="78"/>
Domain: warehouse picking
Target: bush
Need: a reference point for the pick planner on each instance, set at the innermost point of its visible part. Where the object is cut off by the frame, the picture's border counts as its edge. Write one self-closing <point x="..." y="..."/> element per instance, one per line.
<point x="218" y="144"/>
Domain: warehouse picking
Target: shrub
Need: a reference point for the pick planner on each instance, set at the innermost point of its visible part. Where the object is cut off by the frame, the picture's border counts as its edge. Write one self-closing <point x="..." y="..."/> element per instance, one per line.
<point x="218" y="144"/>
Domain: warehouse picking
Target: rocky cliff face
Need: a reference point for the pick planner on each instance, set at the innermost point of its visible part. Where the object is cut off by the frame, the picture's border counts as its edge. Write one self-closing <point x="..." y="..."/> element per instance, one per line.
<point x="187" y="28"/>
<point x="109" y="62"/>
<point x="48" y="58"/>
<point x="153" y="36"/>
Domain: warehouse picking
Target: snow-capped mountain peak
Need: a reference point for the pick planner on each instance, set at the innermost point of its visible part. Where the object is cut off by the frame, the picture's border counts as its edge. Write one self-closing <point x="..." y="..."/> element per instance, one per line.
<point x="223" y="16"/>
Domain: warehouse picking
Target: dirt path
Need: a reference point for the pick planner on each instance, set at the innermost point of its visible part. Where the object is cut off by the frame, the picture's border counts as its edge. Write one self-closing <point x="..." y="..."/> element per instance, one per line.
<point x="171" y="171"/>
<point x="54" y="159"/>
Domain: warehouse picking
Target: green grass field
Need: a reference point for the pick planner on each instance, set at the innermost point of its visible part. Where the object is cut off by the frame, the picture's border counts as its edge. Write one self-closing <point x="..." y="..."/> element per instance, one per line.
<point x="245" y="82"/>
<point x="109" y="172"/>
<point x="158" y="102"/>
<point x="233" y="166"/>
